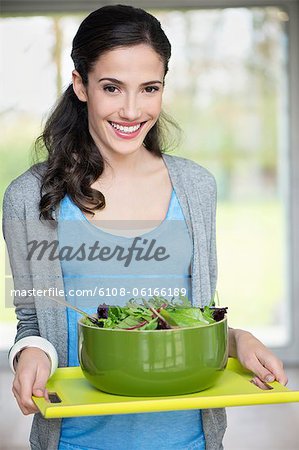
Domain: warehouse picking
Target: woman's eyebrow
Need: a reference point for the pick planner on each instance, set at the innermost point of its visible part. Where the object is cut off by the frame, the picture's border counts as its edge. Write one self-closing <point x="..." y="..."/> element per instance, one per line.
<point x="121" y="83"/>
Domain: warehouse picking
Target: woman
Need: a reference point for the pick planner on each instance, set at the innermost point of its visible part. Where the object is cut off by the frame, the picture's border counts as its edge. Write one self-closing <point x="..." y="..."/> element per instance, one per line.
<point x="106" y="163"/>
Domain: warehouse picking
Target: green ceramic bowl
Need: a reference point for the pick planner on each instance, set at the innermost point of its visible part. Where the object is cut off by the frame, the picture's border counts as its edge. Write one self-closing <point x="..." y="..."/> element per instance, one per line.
<point x="153" y="362"/>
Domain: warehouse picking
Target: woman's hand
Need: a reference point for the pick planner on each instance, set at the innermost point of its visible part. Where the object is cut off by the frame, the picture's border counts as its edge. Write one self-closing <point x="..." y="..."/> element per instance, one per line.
<point x="257" y="358"/>
<point x="32" y="373"/>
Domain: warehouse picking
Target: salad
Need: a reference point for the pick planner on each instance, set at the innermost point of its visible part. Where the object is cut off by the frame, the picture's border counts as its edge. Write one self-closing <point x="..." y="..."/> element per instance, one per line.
<point x="157" y="313"/>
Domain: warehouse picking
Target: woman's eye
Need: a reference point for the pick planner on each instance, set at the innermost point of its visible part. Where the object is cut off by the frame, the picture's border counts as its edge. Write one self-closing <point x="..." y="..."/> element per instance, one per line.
<point x="151" y="89"/>
<point x="111" y="89"/>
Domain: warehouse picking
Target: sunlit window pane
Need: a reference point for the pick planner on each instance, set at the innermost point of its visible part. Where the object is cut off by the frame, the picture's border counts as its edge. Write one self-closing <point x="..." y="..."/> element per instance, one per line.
<point x="227" y="88"/>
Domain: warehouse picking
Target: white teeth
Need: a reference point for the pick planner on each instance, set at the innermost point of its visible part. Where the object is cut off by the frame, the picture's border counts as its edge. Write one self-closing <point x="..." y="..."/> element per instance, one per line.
<point x="125" y="129"/>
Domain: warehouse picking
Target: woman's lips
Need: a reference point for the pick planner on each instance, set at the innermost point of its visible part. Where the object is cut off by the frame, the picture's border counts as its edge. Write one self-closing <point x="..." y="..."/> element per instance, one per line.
<point x="125" y="133"/>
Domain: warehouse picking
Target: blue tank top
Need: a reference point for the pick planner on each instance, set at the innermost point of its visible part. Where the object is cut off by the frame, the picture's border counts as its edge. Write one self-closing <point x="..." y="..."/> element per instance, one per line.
<point x="103" y="267"/>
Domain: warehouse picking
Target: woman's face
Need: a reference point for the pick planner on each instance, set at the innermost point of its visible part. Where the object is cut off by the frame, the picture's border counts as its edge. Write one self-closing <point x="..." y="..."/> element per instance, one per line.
<point x="123" y="95"/>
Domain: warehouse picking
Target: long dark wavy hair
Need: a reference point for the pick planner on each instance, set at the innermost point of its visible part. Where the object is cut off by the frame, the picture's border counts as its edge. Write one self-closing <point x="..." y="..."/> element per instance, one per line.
<point x="74" y="162"/>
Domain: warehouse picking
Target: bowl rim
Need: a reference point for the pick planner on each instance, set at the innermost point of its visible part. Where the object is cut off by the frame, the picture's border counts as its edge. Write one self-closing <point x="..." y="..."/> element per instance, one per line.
<point x="171" y="330"/>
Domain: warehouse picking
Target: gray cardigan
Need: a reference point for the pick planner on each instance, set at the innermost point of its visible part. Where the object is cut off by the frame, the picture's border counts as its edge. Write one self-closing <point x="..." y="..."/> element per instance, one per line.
<point x="196" y="191"/>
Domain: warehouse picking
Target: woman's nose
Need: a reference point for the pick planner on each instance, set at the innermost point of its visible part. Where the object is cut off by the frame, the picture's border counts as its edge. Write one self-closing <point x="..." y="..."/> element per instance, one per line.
<point x="130" y="109"/>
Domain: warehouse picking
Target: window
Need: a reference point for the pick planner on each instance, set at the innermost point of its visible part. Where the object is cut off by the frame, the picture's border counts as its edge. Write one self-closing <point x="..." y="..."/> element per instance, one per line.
<point x="231" y="89"/>
<point x="229" y="92"/>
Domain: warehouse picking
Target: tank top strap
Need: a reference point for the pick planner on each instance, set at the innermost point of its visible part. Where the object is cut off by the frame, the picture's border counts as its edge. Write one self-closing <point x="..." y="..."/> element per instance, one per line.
<point x="68" y="210"/>
<point x="174" y="211"/>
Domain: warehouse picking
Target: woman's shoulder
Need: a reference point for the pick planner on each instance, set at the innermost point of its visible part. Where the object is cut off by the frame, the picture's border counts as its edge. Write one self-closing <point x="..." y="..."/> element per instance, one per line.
<point x="188" y="168"/>
<point x="28" y="182"/>
<point x="26" y="187"/>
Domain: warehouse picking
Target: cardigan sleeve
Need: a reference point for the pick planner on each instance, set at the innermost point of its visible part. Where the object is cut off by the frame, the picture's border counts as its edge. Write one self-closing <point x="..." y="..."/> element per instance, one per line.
<point x="14" y="232"/>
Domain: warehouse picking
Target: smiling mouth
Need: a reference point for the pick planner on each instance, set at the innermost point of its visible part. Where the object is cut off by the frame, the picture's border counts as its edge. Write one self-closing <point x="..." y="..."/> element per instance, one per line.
<point x="127" y="129"/>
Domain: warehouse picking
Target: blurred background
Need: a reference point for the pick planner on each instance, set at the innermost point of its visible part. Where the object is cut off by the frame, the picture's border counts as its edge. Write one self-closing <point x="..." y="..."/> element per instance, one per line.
<point x="231" y="87"/>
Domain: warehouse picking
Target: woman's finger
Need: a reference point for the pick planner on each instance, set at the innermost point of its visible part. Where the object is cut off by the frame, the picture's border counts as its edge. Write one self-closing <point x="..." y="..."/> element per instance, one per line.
<point x="260" y="384"/>
<point x="275" y="366"/>
<point x="25" y="391"/>
<point x="39" y="385"/>
<point x="26" y="411"/>
<point x="253" y="364"/>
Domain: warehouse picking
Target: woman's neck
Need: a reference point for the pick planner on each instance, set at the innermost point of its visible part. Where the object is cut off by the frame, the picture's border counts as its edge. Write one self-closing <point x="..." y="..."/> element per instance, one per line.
<point x="122" y="167"/>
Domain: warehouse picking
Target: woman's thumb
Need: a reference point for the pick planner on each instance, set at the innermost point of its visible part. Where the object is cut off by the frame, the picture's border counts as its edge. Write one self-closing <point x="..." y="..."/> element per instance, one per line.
<point x="265" y="375"/>
<point x="38" y="391"/>
<point x="39" y="386"/>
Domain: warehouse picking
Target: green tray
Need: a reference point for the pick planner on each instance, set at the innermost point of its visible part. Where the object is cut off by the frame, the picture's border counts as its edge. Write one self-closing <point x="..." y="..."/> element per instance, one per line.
<point x="79" y="398"/>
